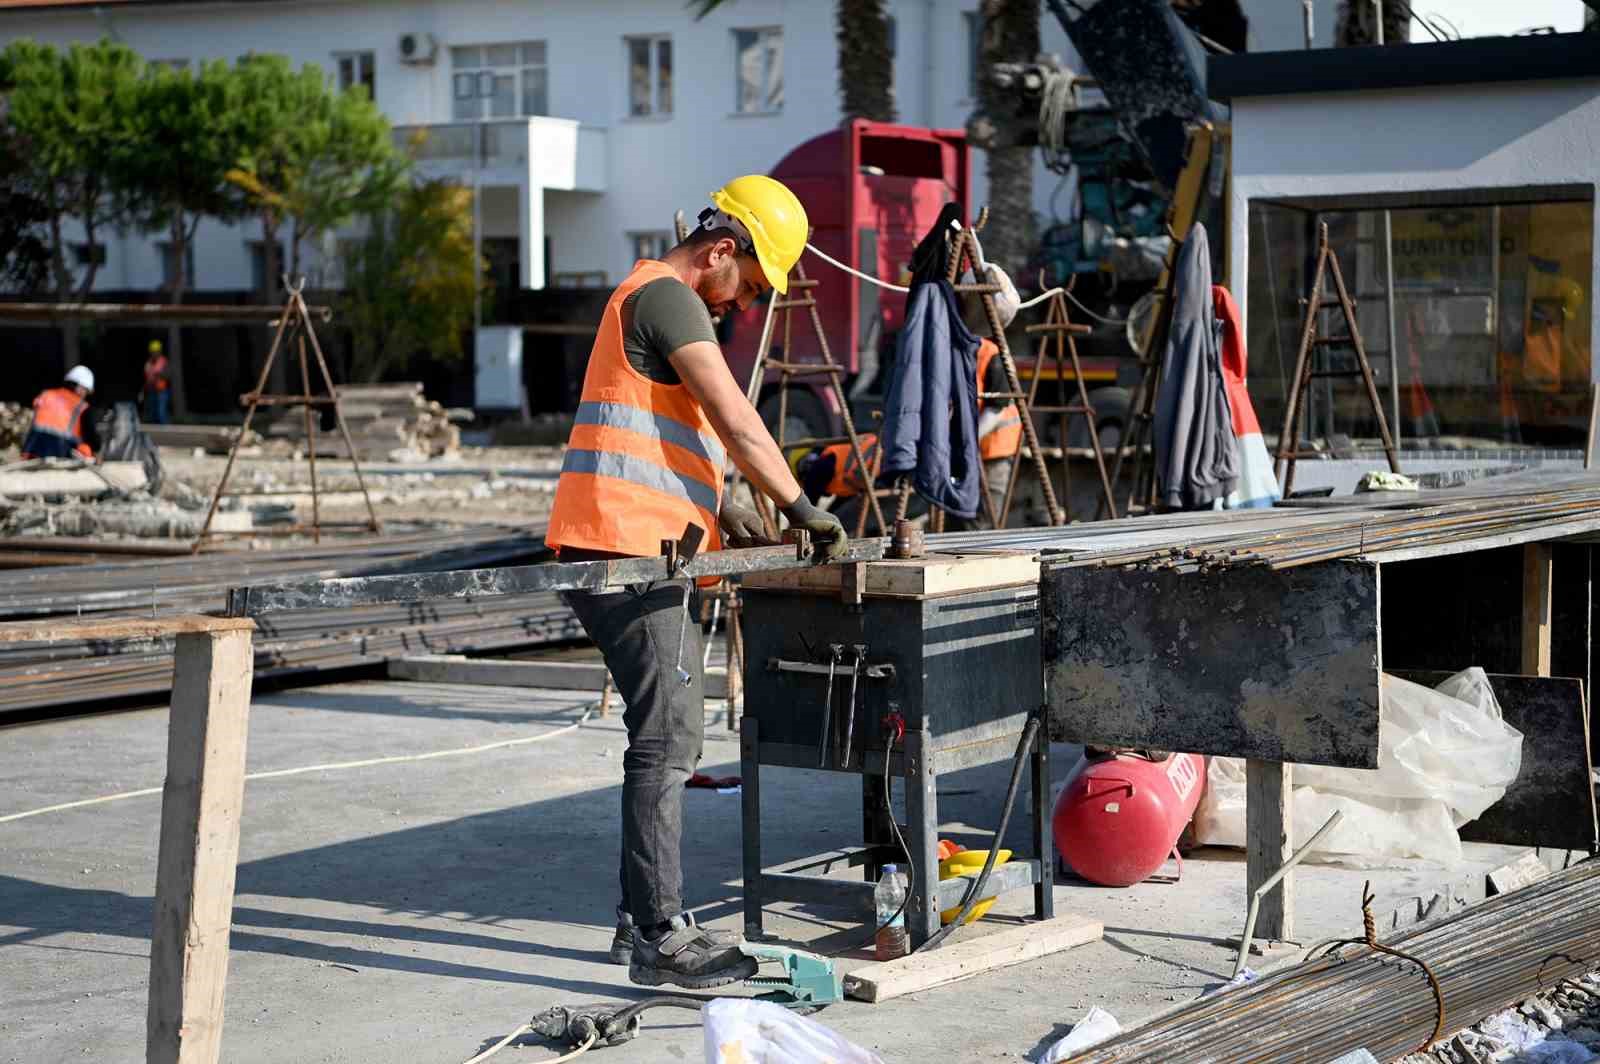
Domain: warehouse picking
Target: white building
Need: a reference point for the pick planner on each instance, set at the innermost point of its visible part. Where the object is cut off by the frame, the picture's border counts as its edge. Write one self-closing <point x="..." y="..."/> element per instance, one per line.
<point x="585" y="162"/>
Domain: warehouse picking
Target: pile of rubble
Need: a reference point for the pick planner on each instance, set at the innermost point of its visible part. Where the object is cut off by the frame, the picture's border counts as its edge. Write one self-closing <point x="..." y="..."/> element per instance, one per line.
<point x="387" y="422"/>
<point x="14" y="421"/>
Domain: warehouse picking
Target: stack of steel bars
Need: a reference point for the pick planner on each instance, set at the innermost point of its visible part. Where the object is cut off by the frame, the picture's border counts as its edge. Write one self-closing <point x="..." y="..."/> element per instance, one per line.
<point x="294" y="644"/>
<point x="1486" y="958"/>
<point x="1433" y="522"/>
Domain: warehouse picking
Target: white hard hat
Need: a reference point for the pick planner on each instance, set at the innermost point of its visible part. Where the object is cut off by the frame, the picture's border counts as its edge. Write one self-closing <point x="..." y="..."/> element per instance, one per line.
<point x="82" y="376"/>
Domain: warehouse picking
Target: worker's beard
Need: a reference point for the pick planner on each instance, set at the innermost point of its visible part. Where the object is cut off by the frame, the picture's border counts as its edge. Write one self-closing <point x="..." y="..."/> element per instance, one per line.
<point x="719" y="291"/>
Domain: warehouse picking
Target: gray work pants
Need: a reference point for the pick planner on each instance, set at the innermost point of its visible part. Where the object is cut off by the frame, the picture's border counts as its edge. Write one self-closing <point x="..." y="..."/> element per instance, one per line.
<point x="636" y="630"/>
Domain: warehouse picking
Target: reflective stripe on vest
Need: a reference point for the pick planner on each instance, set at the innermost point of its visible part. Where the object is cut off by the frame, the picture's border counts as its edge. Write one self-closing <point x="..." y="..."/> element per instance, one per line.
<point x="643" y="460"/>
<point x="1005" y="438"/>
<point x="59" y="412"/>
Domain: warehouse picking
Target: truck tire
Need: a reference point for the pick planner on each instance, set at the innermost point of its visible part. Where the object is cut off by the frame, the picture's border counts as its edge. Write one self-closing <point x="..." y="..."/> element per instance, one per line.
<point x="1110" y="417"/>
<point x="806" y="416"/>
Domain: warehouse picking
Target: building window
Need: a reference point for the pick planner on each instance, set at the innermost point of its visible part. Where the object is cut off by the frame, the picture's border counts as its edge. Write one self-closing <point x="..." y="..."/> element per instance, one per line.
<point x="758" y="68"/>
<point x="169" y="263"/>
<point x="356" y="68"/>
<point x="649" y="76"/>
<point x="500" y="80"/>
<point x="651" y="245"/>
<point x="89" y="255"/>
<point x="258" y="262"/>
<point x="974" y="21"/>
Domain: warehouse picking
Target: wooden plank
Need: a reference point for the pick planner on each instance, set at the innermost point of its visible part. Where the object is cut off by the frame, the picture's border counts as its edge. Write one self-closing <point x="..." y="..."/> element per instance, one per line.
<point x="62" y="628"/>
<point x="885" y="980"/>
<point x="1279" y="666"/>
<point x="1550" y="801"/>
<point x="556" y="675"/>
<point x="1269" y="841"/>
<point x="199" y="847"/>
<point x="1536" y="599"/>
<point x="940" y="574"/>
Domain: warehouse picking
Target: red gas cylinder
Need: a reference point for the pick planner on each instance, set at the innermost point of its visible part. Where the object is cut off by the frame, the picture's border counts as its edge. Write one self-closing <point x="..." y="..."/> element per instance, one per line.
<point x="1120" y="815"/>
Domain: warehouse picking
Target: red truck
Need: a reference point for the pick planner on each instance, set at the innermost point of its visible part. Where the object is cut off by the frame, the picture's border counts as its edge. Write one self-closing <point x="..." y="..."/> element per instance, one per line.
<point x="872" y="190"/>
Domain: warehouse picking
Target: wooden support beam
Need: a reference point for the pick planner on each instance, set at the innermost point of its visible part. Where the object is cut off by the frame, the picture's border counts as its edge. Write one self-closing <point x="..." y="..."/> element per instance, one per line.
<point x="199" y="848"/>
<point x="884" y="980"/>
<point x="1536" y="612"/>
<point x="1269" y="842"/>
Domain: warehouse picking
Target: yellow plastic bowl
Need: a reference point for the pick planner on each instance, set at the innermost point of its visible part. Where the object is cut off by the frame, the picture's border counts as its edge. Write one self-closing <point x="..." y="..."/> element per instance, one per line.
<point x="969" y="863"/>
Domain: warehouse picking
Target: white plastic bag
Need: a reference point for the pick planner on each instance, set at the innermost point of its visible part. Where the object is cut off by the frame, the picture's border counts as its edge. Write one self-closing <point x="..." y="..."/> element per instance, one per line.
<point x="1444" y="756"/>
<point x="1096" y="1026"/>
<point x="744" y="1031"/>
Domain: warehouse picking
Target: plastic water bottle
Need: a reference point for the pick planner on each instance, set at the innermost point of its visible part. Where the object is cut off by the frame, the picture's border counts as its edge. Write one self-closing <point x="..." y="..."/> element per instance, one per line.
<point x="890" y="898"/>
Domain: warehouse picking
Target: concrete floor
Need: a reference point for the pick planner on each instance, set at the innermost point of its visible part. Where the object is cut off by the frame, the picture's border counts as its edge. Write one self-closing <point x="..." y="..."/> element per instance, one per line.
<point x="421" y="910"/>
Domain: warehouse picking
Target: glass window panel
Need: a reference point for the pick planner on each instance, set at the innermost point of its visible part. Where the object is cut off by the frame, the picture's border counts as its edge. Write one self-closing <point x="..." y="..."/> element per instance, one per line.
<point x="533" y="53"/>
<point x="535" y="91"/>
<point x="485" y="84"/>
<point x="664" y="76"/>
<point x="638" y="76"/>
<point x="471" y="56"/>
<point x="501" y="55"/>
<point x="503" y="104"/>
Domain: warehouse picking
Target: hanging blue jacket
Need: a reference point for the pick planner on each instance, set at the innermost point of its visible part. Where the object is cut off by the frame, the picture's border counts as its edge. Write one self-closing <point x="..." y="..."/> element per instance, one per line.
<point x="930" y="418"/>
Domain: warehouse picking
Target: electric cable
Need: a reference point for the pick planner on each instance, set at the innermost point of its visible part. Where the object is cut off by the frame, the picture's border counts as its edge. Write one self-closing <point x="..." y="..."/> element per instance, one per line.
<point x="975" y="891"/>
<point x="524" y="1029"/>
<point x="279" y="773"/>
<point x="911" y="870"/>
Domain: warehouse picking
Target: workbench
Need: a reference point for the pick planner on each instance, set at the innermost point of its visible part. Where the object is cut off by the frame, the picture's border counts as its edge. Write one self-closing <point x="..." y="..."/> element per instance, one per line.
<point x="949" y="646"/>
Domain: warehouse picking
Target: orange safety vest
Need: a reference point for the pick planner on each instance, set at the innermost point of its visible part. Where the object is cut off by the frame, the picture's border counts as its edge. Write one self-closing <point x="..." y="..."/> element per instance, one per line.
<point x="58" y="412"/>
<point x="848" y="479"/>
<point x="155" y="374"/>
<point x="643" y="460"/>
<point x="1004" y="439"/>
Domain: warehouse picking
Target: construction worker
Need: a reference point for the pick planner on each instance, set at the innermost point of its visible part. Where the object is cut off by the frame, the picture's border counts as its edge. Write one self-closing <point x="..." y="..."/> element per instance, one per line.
<point x="57" y="430"/>
<point x="659" y="419"/>
<point x="157" y="394"/>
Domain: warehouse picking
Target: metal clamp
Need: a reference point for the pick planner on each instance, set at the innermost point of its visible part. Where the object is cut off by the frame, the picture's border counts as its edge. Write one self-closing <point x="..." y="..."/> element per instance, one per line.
<point x="884" y="671"/>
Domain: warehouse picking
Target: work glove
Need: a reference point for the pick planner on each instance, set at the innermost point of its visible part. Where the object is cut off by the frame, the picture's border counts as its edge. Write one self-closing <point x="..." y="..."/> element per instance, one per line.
<point x="823" y="526"/>
<point x="741" y="527"/>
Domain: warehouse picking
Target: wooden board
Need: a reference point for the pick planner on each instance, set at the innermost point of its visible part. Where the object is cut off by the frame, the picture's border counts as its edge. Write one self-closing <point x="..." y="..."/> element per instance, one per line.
<point x="555" y="675"/>
<point x="199" y="848"/>
<point x="61" y="628"/>
<point x="937" y="574"/>
<point x="885" y="980"/>
<point x="1276" y="666"/>
<point x="1548" y="804"/>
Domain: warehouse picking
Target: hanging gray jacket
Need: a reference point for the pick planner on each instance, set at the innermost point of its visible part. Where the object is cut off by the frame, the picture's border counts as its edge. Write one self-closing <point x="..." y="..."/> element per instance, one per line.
<point x="1197" y="455"/>
<point x="930" y="418"/>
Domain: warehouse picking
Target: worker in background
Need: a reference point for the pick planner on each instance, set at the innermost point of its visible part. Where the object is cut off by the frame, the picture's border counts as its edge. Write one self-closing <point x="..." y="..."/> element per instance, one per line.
<point x="659" y="419"/>
<point x="157" y="385"/>
<point x="57" y="430"/>
<point x="832" y="471"/>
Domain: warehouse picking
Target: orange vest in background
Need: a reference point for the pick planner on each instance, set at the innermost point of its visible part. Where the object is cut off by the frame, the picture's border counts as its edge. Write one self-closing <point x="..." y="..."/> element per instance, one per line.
<point x="643" y="461"/>
<point x="1004" y="439"/>
<point x="848" y="480"/>
<point x="155" y="374"/>
<point x="58" y="412"/>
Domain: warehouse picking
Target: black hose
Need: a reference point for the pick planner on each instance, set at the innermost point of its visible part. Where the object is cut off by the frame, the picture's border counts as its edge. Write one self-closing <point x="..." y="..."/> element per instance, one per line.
<point x="975" y="891"/>
<point x="626" y="1014"/>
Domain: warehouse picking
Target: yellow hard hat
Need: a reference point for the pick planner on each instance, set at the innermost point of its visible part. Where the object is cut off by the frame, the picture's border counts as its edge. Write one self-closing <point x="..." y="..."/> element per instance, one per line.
<point x="155" y="347"/>
<point x="775" y="219"/>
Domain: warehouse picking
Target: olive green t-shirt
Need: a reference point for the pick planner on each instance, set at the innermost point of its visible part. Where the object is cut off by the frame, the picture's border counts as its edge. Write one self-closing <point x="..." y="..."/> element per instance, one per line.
<point x="657" y="319"/>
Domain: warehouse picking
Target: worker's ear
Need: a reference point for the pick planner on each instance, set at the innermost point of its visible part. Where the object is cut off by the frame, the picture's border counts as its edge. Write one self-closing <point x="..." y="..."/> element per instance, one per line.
<point x="720" y="251"/>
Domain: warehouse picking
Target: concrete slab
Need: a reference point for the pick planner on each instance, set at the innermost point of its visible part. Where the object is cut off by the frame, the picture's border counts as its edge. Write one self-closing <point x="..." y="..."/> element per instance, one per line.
<point x="420" y="910"/>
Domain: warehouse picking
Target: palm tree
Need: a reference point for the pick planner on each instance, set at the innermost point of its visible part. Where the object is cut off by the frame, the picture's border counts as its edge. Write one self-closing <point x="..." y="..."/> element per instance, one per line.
<point x="1010" y="35"/>
<point x="866" y="66"/>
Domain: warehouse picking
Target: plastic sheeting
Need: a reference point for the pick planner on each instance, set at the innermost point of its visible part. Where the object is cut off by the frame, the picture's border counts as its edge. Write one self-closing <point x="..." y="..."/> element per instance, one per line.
<point x="1444" y="756"/>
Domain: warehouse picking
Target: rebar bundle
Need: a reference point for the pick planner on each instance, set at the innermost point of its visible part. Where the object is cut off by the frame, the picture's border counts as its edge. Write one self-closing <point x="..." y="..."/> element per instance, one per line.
<point x="1285" y="538"/>
<point x="301" y="644"/>
<point x="1485" y="957"/>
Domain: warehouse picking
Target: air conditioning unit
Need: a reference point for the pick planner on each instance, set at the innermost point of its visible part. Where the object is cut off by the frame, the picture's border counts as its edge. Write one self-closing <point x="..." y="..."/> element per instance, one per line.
<point x="418" y="49"/>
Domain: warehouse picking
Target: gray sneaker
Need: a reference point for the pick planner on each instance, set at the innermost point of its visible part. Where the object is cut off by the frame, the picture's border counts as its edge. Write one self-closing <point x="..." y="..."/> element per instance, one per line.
<point x="689" y="956"/>
<point x="622" y="941"/>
